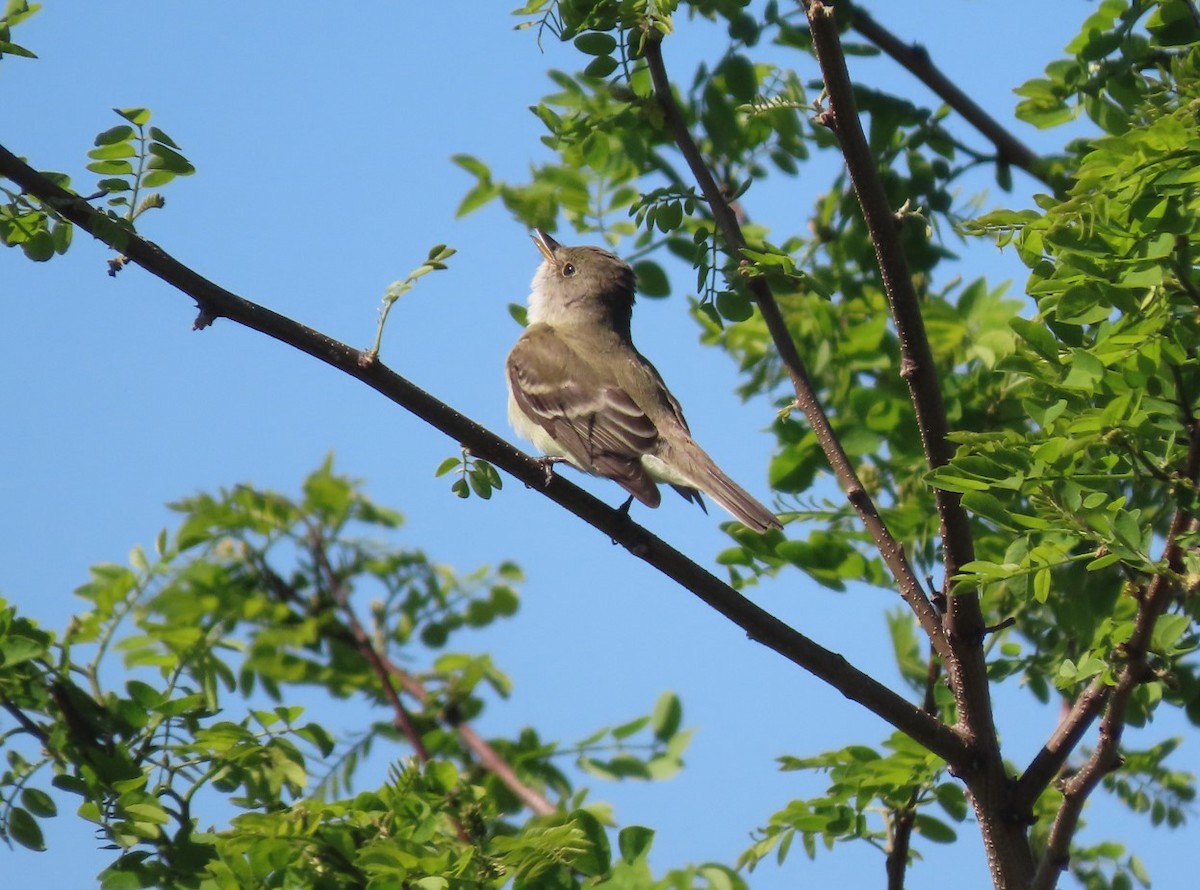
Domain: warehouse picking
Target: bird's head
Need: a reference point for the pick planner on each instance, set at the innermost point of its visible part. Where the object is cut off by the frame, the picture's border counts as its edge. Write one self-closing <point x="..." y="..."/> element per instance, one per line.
<point x="580" y="285"/>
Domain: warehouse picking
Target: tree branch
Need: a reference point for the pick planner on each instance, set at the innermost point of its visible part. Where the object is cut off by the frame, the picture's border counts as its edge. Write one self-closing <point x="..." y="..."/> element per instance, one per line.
<point x="485" y="754"/>
<point x="965" y="620"/>
<point x="759" y="624"/>
<point x="806" y="397"/>
<point x="401" y="719"/>
<point x="1047" y="763"/>
<point x="905" y="818"/>
<point x="1005" y="838"/>
<point x="1155" y="597"/>
<point x="28" y="724"/>
<point x="914" y="58"/>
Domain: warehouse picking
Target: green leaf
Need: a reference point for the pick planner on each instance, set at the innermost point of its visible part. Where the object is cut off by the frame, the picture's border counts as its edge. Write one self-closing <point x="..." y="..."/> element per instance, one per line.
<point x="14" y="49"/>
<point x="601" y="67"/>
<point x="119" y="133"/>
<point x="740" y="78"/>
<point x="164" y="157"/>
<point x="651" y="279"/>
<point x="472" y="165"/>
<point x="111" y="168"/>
<point x="159" y="136"/>
<point x="23" y="829"/>
<point x="595" y="43"/>
<point x="38" y="802"/>
<point x="597" y="858"/>
<point x="667" y="716"/>
<point x="39" y="247"/>
<point x="634" y="842"/>
<point x="482" y="192"/>
<point x="934" y="829"/>
<point x="734" y="306"/>
<point x="156" y="178"/>
<point x="137" y="116"/>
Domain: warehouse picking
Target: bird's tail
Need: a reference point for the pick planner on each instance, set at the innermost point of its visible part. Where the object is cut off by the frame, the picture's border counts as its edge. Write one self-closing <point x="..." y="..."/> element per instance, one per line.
<point x="703" y="474"/>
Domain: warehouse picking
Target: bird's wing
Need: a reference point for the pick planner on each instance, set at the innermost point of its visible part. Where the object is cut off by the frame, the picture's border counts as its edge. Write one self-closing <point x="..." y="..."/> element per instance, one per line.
<point x="602" y="429"/>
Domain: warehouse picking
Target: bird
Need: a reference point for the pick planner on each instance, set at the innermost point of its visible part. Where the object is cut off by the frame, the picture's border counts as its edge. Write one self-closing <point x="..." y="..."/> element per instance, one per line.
<point x="579" y="390"/>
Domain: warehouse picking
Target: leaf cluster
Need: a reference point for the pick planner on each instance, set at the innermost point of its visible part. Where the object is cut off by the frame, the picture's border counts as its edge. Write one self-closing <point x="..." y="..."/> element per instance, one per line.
<point x="251" y="606"/>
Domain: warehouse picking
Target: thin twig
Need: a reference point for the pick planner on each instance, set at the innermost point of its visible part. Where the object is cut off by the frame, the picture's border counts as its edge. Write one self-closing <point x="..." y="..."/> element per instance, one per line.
<point x="759" y="625"/>
<point x="1009" y="149"/>
<point x="896" y="864"/>
<point x="485" y="754"/>
<point x="806" y="397"/>
<point x="401" y="719"/>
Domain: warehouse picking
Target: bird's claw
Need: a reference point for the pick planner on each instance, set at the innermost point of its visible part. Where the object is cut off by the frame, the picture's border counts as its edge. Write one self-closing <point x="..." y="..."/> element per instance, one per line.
<point x="547" y="464"/>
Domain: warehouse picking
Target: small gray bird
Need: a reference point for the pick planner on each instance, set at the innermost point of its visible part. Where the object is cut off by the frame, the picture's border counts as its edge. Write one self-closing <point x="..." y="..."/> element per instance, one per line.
<point x="580" y="391"/>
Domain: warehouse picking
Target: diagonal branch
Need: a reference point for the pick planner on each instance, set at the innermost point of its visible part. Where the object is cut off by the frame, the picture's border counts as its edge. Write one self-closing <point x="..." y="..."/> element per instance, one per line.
<point x="356" y="637"/>
<point x="485" y="754"/>
<point x="1047" y="763"/>
<point x="1154" y="599"/>
<point x="806" y="396"/>
<point x="401" y="719"/>
<point x="214" y="301"/>
<point x="1009" y="149"/>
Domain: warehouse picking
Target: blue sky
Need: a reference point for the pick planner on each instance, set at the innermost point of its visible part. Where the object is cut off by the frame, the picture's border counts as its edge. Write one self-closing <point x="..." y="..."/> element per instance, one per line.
<point x="322" y="143"/>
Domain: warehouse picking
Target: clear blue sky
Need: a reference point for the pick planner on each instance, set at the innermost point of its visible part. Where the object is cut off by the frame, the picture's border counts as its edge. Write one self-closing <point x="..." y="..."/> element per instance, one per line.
<point x="321" y="137"/>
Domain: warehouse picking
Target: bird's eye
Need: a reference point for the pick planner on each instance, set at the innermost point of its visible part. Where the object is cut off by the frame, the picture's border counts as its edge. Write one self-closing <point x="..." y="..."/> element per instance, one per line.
<point x="568" y="270"/>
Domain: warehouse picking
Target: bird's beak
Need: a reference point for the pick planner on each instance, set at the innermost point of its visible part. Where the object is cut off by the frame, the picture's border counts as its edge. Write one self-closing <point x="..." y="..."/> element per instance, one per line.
<point x="545" y="244"/>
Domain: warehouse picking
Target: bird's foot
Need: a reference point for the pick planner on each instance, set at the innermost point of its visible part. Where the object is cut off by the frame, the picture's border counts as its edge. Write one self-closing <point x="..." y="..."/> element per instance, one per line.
<point x="547" y="464"/>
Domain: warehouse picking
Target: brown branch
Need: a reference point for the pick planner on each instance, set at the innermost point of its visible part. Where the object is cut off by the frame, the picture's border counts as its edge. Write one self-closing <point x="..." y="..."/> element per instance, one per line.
<point x="965" y="621"/>
<point x="28" y="724"/>
<point x="1009" y="149"/>
<point x="401" y="719"/>
<point x="759" y="625"/>
<point x="896" y="864"/>
<point x="485" y="754"/>
<point x="1155" y="597"/>
<point x="806" y="397"/>
<point x="1052" y="757"/>
<point x="1006" y="841"/>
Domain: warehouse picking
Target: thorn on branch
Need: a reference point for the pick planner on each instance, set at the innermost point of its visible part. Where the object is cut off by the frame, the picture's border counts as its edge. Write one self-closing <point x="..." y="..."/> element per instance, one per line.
<point x="116" y="264"/>
<point x="995" y="628"/>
